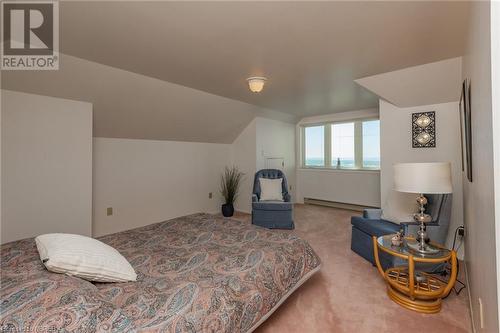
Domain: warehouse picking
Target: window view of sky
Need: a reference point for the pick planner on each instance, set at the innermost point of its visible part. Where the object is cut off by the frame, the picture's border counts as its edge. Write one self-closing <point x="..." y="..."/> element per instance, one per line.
<point x="315" y="150"/>
<point x="371" y="144"/>
<point x="343" y="145"/>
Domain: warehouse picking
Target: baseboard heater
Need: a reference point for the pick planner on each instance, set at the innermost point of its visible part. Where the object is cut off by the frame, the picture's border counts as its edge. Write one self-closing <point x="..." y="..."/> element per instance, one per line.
<point x="335" y="204"/>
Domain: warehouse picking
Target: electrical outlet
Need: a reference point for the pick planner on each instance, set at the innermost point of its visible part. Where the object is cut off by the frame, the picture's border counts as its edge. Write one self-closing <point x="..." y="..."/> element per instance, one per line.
<point x="109" y="211"/>
<point x="290" y="187"/>
<point x="210" y="195"/>
<point x="481" y="313"/>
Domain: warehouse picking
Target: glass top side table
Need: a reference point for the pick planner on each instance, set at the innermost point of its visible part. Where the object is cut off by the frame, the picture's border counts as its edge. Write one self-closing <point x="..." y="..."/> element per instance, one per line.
<point x="417" y="291"/>
<point x="404" y="249"/>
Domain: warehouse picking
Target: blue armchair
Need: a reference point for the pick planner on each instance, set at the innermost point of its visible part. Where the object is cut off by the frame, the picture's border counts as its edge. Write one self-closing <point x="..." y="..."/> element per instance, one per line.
<point x="372" y="224"/>
<point x="272" y="214"/>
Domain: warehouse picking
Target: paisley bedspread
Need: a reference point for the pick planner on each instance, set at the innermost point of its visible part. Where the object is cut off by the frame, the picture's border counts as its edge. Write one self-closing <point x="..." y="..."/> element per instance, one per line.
<point x="197" y="273"/>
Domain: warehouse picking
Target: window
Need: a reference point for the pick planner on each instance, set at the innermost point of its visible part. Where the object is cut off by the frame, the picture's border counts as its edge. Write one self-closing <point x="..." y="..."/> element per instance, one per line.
<point x="314" y="146"/>
<point x="343" y="145"/>
<point x="371" y="144"/>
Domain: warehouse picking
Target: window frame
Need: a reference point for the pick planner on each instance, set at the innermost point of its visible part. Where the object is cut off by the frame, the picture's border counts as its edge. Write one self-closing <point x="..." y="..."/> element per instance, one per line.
<point x="358" y="144"/>
<point x="303" y="146"/>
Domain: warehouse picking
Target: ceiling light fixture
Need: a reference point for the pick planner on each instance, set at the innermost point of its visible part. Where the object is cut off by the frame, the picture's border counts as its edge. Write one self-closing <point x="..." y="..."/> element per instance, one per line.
<point x="256" y="83"/>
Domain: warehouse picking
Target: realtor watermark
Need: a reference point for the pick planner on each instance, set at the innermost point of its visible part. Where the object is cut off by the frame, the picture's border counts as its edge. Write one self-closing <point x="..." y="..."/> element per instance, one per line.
<point x="30" y="35"/>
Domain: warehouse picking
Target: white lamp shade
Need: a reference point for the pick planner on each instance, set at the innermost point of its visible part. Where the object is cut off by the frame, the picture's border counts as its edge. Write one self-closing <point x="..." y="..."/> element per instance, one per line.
<point x="426" y="178"/>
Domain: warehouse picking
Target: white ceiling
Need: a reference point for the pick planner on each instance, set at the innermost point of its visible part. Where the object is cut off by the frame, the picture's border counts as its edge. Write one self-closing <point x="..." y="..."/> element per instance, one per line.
<point x="130" y="105"/>
<point x="311" y="51"/>
<point x="434" y="83"/>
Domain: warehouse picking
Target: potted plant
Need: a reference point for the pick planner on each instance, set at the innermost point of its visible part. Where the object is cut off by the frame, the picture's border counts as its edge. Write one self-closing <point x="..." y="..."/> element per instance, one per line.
<point x="229" y="186"/>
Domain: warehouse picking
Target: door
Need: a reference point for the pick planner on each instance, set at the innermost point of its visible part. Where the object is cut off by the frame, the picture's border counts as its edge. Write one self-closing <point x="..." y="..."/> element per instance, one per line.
<point x="275" y="163"/>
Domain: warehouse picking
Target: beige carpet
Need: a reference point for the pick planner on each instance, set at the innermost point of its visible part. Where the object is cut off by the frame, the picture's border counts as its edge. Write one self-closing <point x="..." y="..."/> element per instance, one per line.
<point x="348" y="294"/>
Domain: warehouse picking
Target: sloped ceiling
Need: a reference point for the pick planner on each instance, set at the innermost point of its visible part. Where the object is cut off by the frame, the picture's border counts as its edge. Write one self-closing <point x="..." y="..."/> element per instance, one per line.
<point x="434" y="83"/>
<point x="129" y="105"/>
<point x="311" y="52"/>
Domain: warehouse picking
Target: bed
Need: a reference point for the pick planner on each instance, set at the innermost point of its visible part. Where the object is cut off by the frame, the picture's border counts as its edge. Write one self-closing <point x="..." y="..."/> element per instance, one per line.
<point x="198" y="273"/>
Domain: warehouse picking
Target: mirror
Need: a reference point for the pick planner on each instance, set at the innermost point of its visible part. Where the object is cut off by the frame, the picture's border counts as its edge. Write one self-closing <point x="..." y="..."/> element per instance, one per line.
<point x="423" y="121"/>
<point x="423" y="138"/>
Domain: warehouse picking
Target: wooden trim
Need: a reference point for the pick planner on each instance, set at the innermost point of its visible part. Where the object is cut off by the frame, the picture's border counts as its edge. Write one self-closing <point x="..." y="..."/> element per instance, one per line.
<point x="411" y="277"/>
<point x="453" y="276"/>
<point x="394" y="253"/>
<point x="375" y="255"/>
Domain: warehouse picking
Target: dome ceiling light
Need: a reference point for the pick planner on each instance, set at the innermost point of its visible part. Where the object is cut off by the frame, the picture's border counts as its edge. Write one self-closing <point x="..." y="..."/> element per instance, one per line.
<point x="256" y="83"/>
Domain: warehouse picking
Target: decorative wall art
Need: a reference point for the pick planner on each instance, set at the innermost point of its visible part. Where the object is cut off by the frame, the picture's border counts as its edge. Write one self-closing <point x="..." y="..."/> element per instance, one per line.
<point x="423" y="126"/>
<point x="466" y="129"/>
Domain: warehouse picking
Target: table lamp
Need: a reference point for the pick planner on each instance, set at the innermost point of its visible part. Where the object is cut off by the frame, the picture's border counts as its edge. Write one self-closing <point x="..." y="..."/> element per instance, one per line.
<point x="428" y="178"/>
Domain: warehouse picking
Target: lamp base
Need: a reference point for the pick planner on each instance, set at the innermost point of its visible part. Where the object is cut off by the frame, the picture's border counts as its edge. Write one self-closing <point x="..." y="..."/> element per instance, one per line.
<point x="422" y="249"/>
<point x="421" y="245"/>
<point x="422" y="234"/>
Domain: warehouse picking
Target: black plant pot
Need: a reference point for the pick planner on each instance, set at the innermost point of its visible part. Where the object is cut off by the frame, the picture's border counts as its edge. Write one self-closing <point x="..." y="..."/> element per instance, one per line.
<point x="227" y="210"/>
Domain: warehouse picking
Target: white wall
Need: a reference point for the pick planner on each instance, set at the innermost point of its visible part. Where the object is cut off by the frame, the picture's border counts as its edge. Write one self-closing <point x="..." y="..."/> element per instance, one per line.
<point x="341" y="116"/>
<point x="262" y="138"/>
<point x="149" y="181"/>
<point x="395" y="142"/>
<point x="244" y="156"/>
<point x="276" y="139"/>
<point x="346" y="186"/>
<point x="479" y="196"/>
<point x="144" y="181"/>
<point x="495" y="92"/>
<point x="1" y="169"/>
<point x="46" y="166"/>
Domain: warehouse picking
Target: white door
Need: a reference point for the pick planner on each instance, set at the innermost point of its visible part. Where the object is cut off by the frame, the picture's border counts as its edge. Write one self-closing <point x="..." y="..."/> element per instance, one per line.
<point x="275" y="163"/>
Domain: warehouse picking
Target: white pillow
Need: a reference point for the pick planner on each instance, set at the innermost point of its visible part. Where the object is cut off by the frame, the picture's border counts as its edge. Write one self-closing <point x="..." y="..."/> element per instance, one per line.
<point x="270" y="189"/>
<point x="400" y="207"/>
<point x="83" y="257"/>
